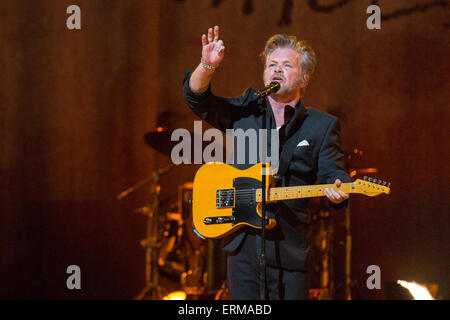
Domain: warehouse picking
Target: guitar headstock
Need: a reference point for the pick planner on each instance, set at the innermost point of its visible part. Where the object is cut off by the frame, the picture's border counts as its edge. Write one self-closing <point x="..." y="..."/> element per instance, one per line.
<point x="370" y="187"/>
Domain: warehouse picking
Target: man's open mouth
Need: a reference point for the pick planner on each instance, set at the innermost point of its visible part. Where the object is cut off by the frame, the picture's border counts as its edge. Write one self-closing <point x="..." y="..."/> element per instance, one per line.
<point x="277" y="78"/>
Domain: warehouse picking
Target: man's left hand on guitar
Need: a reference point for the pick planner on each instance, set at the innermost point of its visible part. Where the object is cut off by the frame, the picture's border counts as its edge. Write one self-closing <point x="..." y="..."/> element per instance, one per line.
<point x="336" y="196"/>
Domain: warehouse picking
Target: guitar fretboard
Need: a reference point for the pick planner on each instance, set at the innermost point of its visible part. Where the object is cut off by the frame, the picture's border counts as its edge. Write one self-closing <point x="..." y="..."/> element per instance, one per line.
<point x="296" y="192"/>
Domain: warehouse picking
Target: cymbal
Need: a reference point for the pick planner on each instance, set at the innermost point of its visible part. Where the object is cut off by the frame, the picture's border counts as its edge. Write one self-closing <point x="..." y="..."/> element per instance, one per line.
<point x="160" y="140"/>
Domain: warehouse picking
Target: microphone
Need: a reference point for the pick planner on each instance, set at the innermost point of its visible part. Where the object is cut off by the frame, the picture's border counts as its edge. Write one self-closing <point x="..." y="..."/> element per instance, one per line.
<point x="270" y="88"/>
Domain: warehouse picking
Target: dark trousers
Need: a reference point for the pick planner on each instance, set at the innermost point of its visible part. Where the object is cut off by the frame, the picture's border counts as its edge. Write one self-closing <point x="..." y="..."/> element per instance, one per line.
<point x="244" y="271"/>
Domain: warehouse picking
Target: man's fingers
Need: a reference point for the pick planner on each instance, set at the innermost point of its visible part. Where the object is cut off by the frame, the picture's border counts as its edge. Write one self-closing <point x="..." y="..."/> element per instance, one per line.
<point x="329" y="194"/>
<point x="216" y="33"/>
<point x="204" y="42"/>
<point x="336" y="197"/>
<point x="213" y="35"/>
<point x="219" y="46"/>
<point x="343" y="195"/>
<point x="210" y="34"/>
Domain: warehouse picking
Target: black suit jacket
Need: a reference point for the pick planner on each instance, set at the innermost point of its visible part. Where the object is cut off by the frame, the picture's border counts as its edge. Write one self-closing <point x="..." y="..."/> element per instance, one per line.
<point x="317" y="158"/>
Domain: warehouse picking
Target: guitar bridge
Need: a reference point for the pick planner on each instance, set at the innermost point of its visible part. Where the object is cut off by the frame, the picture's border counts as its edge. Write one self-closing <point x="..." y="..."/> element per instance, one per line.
<point x="219" y="220"/>
<point x="225" y="198"/>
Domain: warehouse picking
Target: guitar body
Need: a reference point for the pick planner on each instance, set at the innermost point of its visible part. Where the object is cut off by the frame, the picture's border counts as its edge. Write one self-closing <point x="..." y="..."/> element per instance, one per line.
<point x="222" y="202"/>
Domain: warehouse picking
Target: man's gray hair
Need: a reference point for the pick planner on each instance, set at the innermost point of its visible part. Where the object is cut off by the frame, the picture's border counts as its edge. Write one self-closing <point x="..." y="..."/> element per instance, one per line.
<point x="308" y="57"/>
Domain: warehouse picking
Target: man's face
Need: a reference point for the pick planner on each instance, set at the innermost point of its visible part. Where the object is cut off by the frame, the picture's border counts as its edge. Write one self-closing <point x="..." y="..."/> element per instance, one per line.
<point x="283" y="66"/>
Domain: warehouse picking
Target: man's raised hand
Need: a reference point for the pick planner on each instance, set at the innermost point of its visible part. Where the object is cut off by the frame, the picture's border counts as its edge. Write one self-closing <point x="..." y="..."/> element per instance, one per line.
<point x="212" y="47"/>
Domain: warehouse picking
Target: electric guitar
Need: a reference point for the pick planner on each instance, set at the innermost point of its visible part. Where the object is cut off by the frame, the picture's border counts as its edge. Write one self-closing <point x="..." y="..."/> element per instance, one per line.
<point x="226" y="198"/>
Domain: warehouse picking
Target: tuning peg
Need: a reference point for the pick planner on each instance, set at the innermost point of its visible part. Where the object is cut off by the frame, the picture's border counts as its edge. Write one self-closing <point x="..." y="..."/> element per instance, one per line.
<point x="384" y="183"/>
<point x="365" y="178"/>
<point x="389" y="185"/>
<point x="379" y="182"/>
<point x="369" y="179"/>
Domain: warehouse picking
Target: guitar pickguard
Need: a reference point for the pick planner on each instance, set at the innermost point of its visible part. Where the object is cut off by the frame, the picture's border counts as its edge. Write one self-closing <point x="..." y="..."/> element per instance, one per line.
<point x="244" y="210"/>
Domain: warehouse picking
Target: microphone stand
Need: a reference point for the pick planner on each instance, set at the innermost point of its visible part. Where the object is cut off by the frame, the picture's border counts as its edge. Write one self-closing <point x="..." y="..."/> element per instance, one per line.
<point x="262" y="273"/>
<point x="262" y="96"/>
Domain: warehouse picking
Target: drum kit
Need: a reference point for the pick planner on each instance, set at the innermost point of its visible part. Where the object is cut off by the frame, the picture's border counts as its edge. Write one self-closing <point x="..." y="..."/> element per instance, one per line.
<point x="199" y="266"/>
<point x="174" y="253"/>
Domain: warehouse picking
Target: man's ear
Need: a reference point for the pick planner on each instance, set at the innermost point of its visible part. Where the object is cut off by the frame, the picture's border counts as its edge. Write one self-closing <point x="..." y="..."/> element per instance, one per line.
<point x="304" y="81"/>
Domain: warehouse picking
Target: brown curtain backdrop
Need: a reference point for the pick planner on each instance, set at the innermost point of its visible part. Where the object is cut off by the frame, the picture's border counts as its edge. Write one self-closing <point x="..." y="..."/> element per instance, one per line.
<point x="75" y="107"/>
<point x="76" y="104"/>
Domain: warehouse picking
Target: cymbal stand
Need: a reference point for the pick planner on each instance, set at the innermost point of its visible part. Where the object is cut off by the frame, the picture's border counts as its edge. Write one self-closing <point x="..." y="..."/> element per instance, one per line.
<point x="152" y="242"/>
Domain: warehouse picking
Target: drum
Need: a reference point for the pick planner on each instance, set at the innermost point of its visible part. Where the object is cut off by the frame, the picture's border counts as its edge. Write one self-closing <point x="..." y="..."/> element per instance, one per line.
<point x="171" y="259"/>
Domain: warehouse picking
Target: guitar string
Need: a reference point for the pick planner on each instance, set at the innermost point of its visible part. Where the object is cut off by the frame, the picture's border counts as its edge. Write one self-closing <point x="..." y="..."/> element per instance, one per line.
<point x="245" y="195"/>
<point x="279" y="191"/>
<point x="249" y="194"/>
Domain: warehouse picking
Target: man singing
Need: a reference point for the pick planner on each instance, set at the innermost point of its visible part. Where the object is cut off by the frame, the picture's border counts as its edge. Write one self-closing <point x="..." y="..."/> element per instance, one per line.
<point x="313" y="140"/>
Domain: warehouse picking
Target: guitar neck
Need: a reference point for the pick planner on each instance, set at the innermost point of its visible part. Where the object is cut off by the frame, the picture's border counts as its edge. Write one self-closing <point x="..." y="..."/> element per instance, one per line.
<point x="297" y="192"/>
